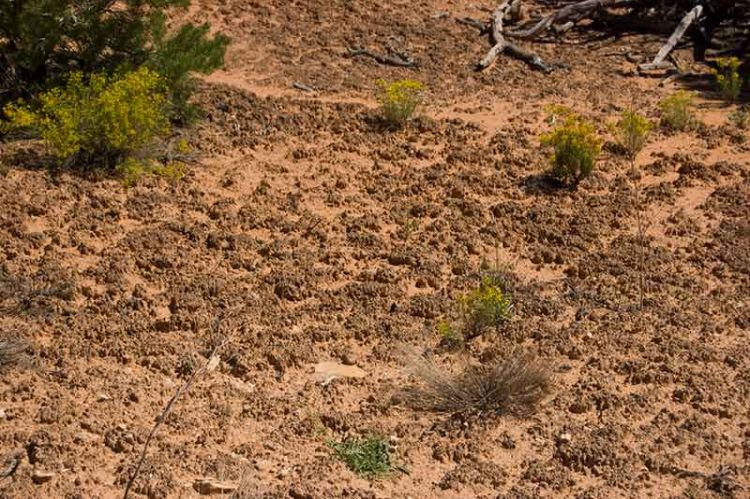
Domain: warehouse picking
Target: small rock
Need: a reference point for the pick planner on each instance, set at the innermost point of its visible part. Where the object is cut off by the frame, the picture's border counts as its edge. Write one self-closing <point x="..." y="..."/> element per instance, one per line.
<point x="348" y="358"/>
<point x="102" y="397"/>
<point x="3" y="415"/>
<point x="39" y="476"/>
<point x="325" y="372"/>
<point x="565" y="437"/>
<point x="211" y="486"/>
<point x="578" y="408"/>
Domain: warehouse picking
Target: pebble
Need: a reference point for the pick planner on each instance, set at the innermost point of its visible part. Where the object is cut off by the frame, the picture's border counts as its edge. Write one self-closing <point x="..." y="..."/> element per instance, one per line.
<point x="208" y="486"/>
<point x="39" y="476"/>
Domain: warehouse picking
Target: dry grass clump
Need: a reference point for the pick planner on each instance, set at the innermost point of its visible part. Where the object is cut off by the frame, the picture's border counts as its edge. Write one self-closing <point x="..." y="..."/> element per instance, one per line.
<point x="512" y="385"/>
<point x="10" y="351"/>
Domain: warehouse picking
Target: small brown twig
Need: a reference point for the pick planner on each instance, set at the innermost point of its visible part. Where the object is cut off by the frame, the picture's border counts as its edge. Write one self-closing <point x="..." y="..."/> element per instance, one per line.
<point x="167" y="409"/>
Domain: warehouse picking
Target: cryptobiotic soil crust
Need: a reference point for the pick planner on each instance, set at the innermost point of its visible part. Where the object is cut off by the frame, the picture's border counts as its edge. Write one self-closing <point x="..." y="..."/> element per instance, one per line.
<point x="307" y="233"/>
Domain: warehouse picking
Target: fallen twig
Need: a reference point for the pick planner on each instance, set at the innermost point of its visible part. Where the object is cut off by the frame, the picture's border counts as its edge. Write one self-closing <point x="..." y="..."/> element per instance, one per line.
<point x="303" y="87"/>
<point x="501" y="45"/>
<point x="392" y="60"/>
<point x="212" y="359"/>
<point x="574" y="12"/>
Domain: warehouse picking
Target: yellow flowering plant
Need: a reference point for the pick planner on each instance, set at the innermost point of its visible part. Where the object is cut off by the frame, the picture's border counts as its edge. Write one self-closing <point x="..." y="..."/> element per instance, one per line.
<point x="728" y="78"/>
<point x="576" y="147"/>
<point x="100" y="118"/>
<point x="632" y="131"/>
<point x="399" y="99"/>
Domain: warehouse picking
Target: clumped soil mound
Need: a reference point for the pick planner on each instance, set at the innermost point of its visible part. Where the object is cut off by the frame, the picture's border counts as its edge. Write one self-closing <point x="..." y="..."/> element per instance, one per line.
<point x="308" y="233"/>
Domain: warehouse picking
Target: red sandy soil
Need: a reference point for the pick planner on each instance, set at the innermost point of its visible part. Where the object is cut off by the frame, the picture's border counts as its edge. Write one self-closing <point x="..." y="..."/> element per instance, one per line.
<point x="316" y="235"/>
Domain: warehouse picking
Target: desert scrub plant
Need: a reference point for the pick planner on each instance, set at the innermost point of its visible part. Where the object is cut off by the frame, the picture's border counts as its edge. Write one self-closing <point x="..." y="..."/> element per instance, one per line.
<point x="369" y="456"/>
<point x="514" y="384"/>
<point x="10" y="351"/>
<point x="102" y="119"/>
<point x="632" y="131"/>
<point x="728" y="78"/>
<point x="678" y="111"/>
<point x="449" y="336"/>
<point x="576" y="147"/>
<point x="43" y="41"/>
<point x="486" y="307"/>
<point x="740" y="117"/>
<point x="398" y="100"/>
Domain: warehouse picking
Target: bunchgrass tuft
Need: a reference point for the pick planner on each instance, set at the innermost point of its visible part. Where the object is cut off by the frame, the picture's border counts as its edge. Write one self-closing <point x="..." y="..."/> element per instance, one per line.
<point x="10" y="351"/>
<point x="513" y="385"/>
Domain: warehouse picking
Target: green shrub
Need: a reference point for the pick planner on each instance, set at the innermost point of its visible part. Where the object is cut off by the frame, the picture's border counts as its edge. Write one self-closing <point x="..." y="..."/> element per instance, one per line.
<point x="369" y="456"/>
<point x="101" y="119"/>
<point x="677" y="111"/>
<point x="487" y="307"/>
<point x="576" y="147"/>
<point x="43" y="41"/>
<point x="399" y="100"/>
<point x="449" y="337"/>
<point x="741" y="117"/>
<point x="632" y="131"/>
<point x="728" y="78"/>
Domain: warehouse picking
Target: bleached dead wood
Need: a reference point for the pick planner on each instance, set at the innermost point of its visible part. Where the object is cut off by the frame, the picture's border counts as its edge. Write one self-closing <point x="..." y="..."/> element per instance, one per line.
<point x="658" y="62"/>
<point x="573" y="12"/>
<point x="501" y="45"/>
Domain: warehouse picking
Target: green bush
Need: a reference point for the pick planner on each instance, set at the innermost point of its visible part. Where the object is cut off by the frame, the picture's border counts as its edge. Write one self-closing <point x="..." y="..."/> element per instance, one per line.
<point x="576" y="147"/>
<point x="728" y="78"/>
<point x="99" y="119"/>
<point x="449" y="337"/>
<point x="632" y="130"/>
<point x="399" y="100"/>
<point x="43" y="41"/>
<point x="369" y="457"/>
<point x="741" y="117"/>
<point x="677" y="111"/>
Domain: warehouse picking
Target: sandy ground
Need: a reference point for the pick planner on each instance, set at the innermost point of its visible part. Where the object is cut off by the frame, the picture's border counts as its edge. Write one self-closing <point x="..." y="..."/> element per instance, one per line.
<point x="306" y="233"/>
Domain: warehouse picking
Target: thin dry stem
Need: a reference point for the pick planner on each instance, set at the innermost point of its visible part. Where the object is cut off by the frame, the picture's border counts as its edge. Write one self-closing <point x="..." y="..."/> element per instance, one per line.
<point x="167" y="409"/>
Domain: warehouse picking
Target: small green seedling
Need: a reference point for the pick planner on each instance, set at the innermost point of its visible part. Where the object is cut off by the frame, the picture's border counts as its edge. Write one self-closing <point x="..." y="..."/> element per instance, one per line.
<point x="369" y="457"/>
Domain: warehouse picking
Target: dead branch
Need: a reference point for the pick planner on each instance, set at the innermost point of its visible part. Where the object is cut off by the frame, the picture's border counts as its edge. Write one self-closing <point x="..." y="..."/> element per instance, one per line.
<point x="212" y="360"/>
<point x="400" y="60"/>
<point x="574" y="12"/>
<point x="501" y="45"/>
<point x="658" y="61"/>
<point x="474" y="23"/>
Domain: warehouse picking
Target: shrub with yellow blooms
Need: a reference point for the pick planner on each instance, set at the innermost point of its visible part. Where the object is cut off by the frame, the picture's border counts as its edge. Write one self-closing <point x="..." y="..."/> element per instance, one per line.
<point x="399" y="99"/>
